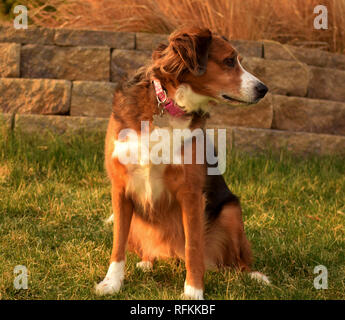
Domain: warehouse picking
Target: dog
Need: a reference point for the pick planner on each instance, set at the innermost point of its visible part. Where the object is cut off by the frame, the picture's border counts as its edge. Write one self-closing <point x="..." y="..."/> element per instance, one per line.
<point x="177" y="210"/>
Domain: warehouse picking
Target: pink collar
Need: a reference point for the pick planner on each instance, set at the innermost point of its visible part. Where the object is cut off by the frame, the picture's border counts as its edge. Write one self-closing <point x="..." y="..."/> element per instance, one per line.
<point x="168" y="104"/>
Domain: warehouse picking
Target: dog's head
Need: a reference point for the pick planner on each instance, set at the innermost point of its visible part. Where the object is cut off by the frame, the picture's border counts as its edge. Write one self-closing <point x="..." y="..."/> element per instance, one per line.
<point x="204" y="68"/>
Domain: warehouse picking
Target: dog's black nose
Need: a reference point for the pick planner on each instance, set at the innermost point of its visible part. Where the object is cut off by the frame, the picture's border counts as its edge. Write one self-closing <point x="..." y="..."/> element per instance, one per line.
<point x="260" y="90"/>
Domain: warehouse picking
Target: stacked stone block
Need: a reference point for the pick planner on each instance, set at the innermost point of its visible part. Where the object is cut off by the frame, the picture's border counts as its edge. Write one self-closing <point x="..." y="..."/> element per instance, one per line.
<point x="73" y="74"/>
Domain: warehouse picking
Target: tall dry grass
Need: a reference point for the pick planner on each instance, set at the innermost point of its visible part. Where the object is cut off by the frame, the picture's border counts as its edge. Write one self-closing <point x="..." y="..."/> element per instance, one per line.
<point x="287" y="21"/>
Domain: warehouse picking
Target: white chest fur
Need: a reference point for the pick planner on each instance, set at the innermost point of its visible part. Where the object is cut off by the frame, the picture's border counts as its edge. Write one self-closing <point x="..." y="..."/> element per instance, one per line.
<point x="145" y="178"/>
<point x="146" y="183"/>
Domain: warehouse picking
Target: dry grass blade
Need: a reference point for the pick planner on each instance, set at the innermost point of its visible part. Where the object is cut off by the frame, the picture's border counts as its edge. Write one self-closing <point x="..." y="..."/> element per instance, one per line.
<point x="280" y="20"/>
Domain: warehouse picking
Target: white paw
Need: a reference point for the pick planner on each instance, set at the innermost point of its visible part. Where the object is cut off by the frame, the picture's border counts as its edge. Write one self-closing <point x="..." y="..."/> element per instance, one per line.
<point x="113" y="280"/>
<point x="109" y="220"/>
<point x="145" y="265"/>
<point x="192" y="293"/>
<point x="108" y="286"/>
<point x="260" y="277"/>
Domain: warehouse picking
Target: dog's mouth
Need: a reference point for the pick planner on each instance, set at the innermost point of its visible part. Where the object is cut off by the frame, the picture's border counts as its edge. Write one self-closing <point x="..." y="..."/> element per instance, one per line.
<point x="234" y="101"/>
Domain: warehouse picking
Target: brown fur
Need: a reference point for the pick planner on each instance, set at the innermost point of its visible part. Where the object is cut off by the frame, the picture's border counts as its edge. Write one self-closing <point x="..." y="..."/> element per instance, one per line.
<point x="176" y="226"/>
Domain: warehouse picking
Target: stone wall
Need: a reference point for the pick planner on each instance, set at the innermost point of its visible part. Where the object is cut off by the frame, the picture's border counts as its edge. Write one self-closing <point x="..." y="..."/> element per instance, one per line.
<point x="71" y="74"/>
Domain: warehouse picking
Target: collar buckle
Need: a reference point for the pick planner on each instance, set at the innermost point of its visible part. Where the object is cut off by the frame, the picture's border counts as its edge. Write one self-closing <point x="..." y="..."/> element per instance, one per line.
<point x="165" y="103"/>
<point x="161" y="99"/>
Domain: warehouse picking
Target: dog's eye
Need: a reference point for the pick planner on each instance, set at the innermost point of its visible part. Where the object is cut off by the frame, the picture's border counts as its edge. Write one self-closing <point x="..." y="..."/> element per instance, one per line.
<point x="230" y="62"/>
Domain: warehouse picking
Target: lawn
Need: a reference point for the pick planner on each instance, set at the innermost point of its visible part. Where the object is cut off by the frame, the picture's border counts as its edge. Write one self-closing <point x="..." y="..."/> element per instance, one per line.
<point x="55" y="196"/>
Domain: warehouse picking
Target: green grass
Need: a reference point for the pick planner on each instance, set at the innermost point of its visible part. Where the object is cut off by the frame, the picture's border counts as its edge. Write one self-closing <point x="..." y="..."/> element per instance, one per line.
<point x="54" y="197"/>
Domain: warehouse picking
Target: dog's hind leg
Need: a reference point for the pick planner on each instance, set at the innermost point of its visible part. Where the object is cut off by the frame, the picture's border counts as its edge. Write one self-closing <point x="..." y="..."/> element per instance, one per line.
<point x="146" y="264"/>
<point x="226" y="241"/>
<point x="135" y="245"/>
<point x="229" y="246"/>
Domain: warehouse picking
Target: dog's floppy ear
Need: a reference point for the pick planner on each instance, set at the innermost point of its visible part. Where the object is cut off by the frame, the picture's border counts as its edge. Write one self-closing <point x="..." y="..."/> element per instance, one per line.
<point x="192" y="46"/>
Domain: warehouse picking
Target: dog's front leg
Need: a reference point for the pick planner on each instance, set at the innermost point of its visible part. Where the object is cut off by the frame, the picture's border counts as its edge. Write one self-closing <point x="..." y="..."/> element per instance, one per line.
<point x="193" y="223"/>
<point x="123" y="211"/>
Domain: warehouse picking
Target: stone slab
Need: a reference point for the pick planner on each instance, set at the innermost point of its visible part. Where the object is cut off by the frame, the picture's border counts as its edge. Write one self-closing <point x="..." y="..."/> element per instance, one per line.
<point x="150" y="41"/>
<point x="38" y="96"/>
<point x="118" y="40"/>
<point x="34" y="35"/>
<point x="124" y="63"/>
<point x="308" y="115"/>
<point x="327" y="84"/>
<point x="298" y="143"/>
<point x="314" y="57"/>
<point x="254" y="116"/>
<point x="92" y="99"/>
<point x="282" y="77"/>
<point x="70" y="63"/>
<point x="9" y="60"/>
<point x="45" y="125"/>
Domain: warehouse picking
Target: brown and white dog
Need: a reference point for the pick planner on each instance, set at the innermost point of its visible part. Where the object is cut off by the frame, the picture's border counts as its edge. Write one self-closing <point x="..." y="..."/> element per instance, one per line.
<point x="177" y="210"/>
